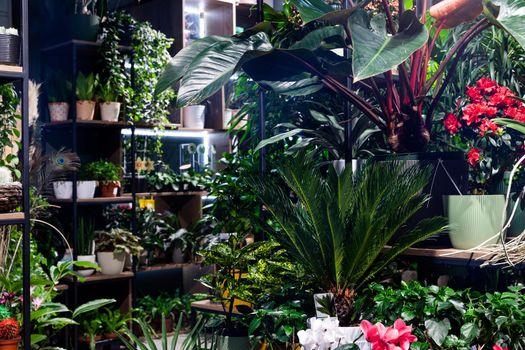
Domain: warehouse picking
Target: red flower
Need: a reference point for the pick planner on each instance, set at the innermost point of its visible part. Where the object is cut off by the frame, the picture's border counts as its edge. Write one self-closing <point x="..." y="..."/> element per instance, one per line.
<point x="497" y="347"/>
<point x="452" y="123"/>
<point x="474" y="94"/>
<point x="487" y="125"/>
<point x="487" y="86"/>
<point x="503" y="97"/>
<point x="473" y="156"/>
<point x="515" y="113"/>
<point x="472" y="112"/>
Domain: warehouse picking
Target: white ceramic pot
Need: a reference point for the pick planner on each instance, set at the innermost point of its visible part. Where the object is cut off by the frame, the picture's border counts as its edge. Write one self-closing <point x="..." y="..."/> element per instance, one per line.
<point x="63" y="189"/>
<point x="86" y="189"/>
<point x="58" y="111"/>
<point x="89" y="258"/>
<point x="193" y="117"/>
<point x="110" y="263"/>
<point x="109" y="111"/>
<point x="86" y="110"/>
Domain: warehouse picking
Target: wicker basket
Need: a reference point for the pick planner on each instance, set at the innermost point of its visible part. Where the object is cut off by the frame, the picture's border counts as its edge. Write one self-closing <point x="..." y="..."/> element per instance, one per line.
<point x="10" y="196"/>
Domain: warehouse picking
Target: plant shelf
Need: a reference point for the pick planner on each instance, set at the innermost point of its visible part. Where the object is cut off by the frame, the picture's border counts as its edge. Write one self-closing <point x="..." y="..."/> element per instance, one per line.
<point x="11" y="72"/>
<point x="446" y="255"/>
<point x="66" y="124"/>
<point x="161" y="267"/>
<point x="95" y="201"/>
<point x="172" y="194"/>
<point x="98" y="277"/>
<point x="12" y="218"/>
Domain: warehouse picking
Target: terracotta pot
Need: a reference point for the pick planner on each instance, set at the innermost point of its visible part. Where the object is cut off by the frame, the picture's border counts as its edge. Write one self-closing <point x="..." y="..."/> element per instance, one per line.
<point x="110" y="336"/>
<point x="9" y="344"/>
<point x="109" y="188"/>
<point x="86" y="110"/>
<point x="109" y="111"/>
<point x="58" y="111"/>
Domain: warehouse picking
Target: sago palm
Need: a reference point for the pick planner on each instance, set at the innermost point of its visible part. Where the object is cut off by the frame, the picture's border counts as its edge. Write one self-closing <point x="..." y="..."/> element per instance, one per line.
<point x="337" y="225"/>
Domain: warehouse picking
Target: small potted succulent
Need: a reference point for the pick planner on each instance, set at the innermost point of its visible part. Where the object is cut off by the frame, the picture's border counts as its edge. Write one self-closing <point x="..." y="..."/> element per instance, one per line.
<point x="57" y="97"/>
<point x="9" y="330"/>
<point x="9" y="46"/>
<point x="108" y="176"/>
<point x="86" y="86"/>
<point x="109" y="105"/>
<point x="86" y="245"/>
<point x="112" y="247"/>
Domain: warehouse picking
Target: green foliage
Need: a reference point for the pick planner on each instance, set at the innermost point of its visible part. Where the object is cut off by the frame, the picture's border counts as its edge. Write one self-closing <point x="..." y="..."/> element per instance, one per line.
<point x="117" y="241"/>
<point x="86" y="236"/>
<point x="86" y="86"/>
<point x="58" y="88"/>
<point x="345" y="220"/>
<point x="113" y="321"/>
<point x="9" y="132"/>
<point x="170" y="306"/>
<point x="108" y="92"/>
<point x="100" y="170"/>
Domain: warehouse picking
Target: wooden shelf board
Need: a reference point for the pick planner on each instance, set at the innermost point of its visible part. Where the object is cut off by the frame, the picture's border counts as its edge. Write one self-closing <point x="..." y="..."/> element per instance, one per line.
<point x="443" y="253"/>
<point x="209" y="306"/>
<point x="98" y="277"/>
<point x="80" y="44"/>
<point x="11" y="218"/>
<point x="172" y="194"/>
<point x="96" y="200"/>
<point x="87" y="123"/>
<point x="5" y="68"/>
<point x="61" y="287"/>
<point x="160" y="267"/>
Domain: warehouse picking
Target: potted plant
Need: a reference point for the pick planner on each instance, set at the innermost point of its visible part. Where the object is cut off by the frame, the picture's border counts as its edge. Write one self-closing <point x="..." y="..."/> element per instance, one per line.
<point x="9" y="330"/>
<point x="113" y="322"/>
<point x="476" y="218"/>
<point x="194" y="117"/>
<point x="83" y="22"/>
<point x="86" y="86"/>
<point x="109" y="105"/>
<point x="9" y="46"/>
<point x="112" y="247"/>
<point x="86" y="244"/>
<point x="108" y="176"/>
<point x="91" y="327"/>
<point x="86" y="183"/>
<point x="10" y="191"/>
<point x="57" y="96"/>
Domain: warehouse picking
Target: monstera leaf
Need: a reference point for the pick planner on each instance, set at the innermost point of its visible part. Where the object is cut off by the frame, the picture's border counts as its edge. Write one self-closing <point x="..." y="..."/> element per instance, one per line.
<point x="214" y="66"/>
<point x="509" y="15"/>
<point x="375" y="51"/>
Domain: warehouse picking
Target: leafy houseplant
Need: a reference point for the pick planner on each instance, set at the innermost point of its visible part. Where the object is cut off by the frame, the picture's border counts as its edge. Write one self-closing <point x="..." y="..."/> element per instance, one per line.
<point x="491" y="151"/>
<point x="110" y="105"/>
<point x="9" y="132"/>
<point x="112" y="322"/>
<point x="299" y="52"/>
<point x="86" y="244"/>
<point x="112" y="247"/>
<point x="106" y="173"/>
<point x="9" y="330"/>
<point x="86" y="86"/>
<point x="345" y="220"/>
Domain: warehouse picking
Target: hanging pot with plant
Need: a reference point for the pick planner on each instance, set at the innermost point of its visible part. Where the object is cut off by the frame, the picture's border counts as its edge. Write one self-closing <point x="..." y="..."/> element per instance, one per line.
<point x="83" y="22"/>
<point x="86" y="86"/>
<point x="107" y="174"/>
<point x="112" y="247"/>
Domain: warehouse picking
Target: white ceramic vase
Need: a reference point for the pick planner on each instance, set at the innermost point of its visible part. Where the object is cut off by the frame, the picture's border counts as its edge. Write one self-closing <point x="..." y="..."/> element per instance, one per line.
<point x="86" y="189"/>
<point x="58" y="111"/>
<point x="89" y="258"/>
<point x="194" y="116"/>
<point x="109" y="111"/>
<point x="63" y="189"/>
<point x="86" y="110"/>
<point x="111" y="263"/>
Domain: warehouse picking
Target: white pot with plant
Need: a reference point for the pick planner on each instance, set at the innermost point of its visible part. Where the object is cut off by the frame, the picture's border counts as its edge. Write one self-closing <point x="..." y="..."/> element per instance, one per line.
<point x="63" y="189"/>
<point x="86" y="104"/>
<point x="86" y="184"/>
<point x="112" y="247"/>
<point x="109" y="105"/>
<point x="86" y="245"/>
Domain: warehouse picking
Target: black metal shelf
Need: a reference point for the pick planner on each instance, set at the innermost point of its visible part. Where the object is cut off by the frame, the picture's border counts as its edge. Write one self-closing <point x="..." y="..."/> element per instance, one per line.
<point x="94" y="201"/>
<point x="87" y="124"/>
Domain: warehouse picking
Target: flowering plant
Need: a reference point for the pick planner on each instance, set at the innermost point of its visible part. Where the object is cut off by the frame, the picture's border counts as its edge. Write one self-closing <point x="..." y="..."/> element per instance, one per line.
<point x="498" y="347"/>
<point x="490" y="148"/>
<point x="397" y="337"/>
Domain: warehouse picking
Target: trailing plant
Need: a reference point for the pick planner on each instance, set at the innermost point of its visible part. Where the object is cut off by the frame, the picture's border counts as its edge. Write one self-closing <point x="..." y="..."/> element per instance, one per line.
<point x="86" y="86"/>
<point x="299" y="52"/>
<point x="9" y="132"/>
<point x="117" y="241"/>
<point x="345" y="220"/>
<point x="100" y="170"/>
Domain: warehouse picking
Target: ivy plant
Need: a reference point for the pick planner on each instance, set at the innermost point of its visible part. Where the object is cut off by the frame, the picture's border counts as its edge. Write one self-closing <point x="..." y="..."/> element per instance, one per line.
<point x="9" y="132"/>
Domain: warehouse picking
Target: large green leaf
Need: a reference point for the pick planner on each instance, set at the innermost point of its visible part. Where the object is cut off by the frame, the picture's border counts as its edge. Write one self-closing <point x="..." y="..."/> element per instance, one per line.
<point x="315" y="39"/>
<point x="375" y="51"/>
<point x="214" y="66"/>
<point x="509" y="15"/>
<point x="277" y="138"/>
<point x="438" y="329"/>
<point x="311" y="9"/>
<point x="92" y="305"/>
<point x="511" y="123"/>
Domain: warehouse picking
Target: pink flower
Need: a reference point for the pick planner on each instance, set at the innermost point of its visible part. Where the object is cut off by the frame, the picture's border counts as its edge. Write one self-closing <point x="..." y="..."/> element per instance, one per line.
<point x="405" y="334"/>
<point x="398" y="337"/>
<point x="497" y="347"/>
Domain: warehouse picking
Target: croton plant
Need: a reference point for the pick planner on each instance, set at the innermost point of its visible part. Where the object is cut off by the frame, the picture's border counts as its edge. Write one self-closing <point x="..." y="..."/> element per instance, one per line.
<point x="292" y="52"/>
<point x="472" y="127"/>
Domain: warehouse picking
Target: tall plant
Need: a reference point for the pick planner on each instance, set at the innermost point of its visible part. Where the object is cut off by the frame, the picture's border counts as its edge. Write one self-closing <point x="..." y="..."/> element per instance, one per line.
<point x="337" y="225"/>
<point x="300" y="54"/>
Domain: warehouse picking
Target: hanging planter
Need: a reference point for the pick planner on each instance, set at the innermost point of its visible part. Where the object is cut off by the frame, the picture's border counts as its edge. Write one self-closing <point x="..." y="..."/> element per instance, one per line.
<point x="474" y="220"/>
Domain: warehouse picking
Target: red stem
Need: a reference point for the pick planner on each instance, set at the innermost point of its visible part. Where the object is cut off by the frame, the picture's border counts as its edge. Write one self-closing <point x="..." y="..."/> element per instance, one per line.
<point x="424" y="72"/>
<point x="389" y="19"/>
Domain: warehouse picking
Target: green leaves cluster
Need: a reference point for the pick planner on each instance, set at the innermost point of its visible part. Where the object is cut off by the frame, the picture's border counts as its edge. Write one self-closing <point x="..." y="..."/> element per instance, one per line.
<point x="9" y="131"/>
<point x="100" y="170"/>
<point x="86" y="86"/>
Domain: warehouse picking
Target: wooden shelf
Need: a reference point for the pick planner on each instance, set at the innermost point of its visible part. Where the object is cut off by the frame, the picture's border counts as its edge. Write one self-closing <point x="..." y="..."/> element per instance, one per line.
<point x="11" y="218"/>
<point x="446" y="254"/>
<point x="95" y="201"/>
<point x="98" y="277"/>
<point x="161" y="267"/>
<point x="10" y="73"/>
<point x="86" y="124"/>
<point x="61" y="287"/>
<point x="172" y="194"/>
<point x="211" y="307"/>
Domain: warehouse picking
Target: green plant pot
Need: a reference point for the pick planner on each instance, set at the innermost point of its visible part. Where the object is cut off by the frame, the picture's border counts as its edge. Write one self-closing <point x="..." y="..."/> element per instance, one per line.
<point x="474" y="219"/>
<point x="83" y="27"/>
<point x="233" y="343"/>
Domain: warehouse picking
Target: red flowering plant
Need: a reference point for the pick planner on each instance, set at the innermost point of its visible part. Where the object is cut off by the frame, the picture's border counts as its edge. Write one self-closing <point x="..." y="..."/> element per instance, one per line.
<point x="491" y="149"/>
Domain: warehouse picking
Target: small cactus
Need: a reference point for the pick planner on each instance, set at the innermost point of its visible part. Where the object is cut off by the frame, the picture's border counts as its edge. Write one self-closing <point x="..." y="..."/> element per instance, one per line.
<point x="9" y="329"/>
<point x="5" y="175"/>
<point x="4" y="313"/>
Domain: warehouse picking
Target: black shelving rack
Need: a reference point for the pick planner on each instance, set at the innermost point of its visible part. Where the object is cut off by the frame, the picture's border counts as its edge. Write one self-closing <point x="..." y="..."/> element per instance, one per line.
<point x="20" y="74"/>
<point x="74" y="52"/>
